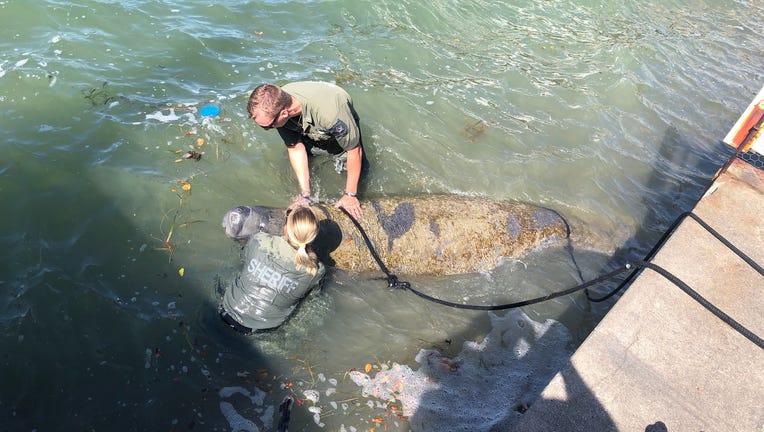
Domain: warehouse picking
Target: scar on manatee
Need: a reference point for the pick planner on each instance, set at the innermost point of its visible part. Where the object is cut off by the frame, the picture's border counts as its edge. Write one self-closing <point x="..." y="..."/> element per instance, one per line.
<point x="435" y="228"/>
<point x="513" y="227"/>
<point x="396" y="224"/>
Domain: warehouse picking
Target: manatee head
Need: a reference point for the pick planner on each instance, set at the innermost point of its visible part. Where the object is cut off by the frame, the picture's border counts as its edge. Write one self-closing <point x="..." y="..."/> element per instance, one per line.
<point x="242" y="221"/>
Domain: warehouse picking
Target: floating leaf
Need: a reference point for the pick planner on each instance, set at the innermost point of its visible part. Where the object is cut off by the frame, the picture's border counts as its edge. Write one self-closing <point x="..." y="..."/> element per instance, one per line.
<point x="186" y="186"/>
<point x="199" y="142"/>
<point x="367" y="368"/>
<point x="181" y="271"/>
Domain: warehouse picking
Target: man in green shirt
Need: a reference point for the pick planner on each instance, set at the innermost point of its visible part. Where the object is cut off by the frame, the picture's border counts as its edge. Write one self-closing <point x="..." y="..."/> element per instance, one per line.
<point x="314" y="117"/>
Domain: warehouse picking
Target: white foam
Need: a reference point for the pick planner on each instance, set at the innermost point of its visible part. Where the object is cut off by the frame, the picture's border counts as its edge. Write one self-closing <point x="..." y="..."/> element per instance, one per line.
<point x="239" y="422"/>
<point x="162" y="117"/>
<point x="235" y="420"/>
<point x="478" y="389"/>
<point x="257" y="398"/>
<point x="267" y="417"/>
<point x="311" y="395"/>
<point x="316" y="411"/>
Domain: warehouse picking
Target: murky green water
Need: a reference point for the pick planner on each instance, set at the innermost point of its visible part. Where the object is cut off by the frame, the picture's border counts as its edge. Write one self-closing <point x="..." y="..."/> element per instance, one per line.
<point x="610" y="113"/>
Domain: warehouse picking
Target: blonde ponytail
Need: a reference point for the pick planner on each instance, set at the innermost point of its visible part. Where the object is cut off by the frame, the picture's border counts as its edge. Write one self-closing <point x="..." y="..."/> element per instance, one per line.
<point x="301" y="230"/>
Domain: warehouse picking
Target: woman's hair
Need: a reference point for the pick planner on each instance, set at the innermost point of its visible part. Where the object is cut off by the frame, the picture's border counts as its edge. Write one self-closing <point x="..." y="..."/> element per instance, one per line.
<point x="301" y="230"/>
<point x="269" y="99"/>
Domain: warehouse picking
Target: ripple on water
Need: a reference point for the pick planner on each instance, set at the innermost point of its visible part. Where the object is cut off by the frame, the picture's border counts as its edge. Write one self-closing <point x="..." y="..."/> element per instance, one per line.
<point x="608" y="112"/>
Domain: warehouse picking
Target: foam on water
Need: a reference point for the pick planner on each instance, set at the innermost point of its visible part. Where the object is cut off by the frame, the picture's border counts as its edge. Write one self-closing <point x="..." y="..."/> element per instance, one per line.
<point x="236" y="420"/>
<point x="171" y="116"/>
<point x="472" y="391"/>
<point x="576" y="106"/>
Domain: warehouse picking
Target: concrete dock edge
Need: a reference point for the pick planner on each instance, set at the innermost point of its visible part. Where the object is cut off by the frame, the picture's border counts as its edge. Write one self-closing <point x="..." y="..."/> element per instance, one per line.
<point x="659" y="361"/>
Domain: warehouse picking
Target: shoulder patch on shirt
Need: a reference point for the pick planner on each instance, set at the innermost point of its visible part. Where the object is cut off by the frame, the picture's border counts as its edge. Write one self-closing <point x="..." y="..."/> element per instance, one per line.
<point x="338" y="129"/>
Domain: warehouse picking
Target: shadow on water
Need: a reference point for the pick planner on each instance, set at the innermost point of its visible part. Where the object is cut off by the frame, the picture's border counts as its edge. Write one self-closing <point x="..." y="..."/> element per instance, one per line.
<point x="99" y="334"/>
<point x="664" y="199"/>
<point x="99" y="331"/>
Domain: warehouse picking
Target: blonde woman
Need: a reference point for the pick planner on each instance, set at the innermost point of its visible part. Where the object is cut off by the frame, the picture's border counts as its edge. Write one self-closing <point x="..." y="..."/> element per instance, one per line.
<point x="277" y="273"/>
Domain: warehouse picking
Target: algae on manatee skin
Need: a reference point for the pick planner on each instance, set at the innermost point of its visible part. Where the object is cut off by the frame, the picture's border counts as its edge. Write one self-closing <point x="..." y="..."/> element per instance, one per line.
<point x="420" y="235"/>
<point x="441" y="234"/>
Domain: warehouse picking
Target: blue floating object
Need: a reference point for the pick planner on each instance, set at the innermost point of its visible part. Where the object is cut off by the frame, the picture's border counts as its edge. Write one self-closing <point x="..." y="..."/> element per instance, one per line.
<point x="209" y="111"/>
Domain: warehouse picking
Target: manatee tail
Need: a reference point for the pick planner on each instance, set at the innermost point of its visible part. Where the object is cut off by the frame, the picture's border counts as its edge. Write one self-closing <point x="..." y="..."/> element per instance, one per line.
<point x="285" y="411"/>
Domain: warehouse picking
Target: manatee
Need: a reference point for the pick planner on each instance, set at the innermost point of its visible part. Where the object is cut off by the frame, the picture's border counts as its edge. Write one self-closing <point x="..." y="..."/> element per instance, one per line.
<point x="420" y="235"/>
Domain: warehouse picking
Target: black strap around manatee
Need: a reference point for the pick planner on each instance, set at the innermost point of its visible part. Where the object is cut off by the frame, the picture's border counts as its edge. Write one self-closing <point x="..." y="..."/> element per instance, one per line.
<point x="392" y="280"/>
<point x="633" y="267"/>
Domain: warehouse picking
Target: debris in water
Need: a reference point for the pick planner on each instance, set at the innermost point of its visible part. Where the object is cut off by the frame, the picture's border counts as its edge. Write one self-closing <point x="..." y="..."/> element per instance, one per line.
<point x="507" y="369"/>
<point x="191" y="154"/>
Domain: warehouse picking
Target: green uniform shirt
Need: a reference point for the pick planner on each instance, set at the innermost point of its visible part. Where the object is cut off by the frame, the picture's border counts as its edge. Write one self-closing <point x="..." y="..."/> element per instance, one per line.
<point x="269" y="286"/>
<point x="328" y="119"/>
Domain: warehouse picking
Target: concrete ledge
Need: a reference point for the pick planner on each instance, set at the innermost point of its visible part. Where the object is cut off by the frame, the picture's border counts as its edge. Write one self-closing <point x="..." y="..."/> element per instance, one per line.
<point x="659" y="361"/>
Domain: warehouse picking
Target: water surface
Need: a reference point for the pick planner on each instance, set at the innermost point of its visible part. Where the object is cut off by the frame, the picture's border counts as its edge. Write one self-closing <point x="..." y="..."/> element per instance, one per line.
<point x="611" y="114"/>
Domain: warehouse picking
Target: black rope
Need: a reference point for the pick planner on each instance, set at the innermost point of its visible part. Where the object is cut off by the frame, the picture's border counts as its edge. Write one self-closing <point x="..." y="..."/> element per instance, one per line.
<point x="665" y="237"/>
<point x="393" y="282"/>
<point x="705" y="303"/>
<point x="544" y="298"/>
<point x="727" y="243"/>
<point x="647" y="257"/>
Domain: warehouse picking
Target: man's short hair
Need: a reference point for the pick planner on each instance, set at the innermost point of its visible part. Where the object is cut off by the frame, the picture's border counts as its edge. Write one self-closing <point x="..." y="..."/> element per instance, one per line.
<point x="269" y="99"/>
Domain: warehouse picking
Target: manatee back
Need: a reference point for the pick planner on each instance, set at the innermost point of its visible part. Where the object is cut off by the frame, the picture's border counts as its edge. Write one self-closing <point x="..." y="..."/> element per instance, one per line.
<point x="439" y="235"/>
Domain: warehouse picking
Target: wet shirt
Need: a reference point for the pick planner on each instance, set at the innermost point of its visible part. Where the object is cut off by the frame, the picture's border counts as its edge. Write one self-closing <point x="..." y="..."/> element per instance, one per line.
<point x="328" y="119"/>
<point x="269" y="286"/>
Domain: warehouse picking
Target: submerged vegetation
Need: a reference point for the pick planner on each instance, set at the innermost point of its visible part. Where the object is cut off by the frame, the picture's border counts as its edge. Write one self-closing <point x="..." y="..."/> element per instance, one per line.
<point x="99" y="96"/>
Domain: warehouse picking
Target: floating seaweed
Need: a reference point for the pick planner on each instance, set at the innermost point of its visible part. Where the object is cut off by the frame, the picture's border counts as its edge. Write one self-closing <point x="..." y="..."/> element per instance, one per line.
<point x="167" y="244"/>
<point x="99" y="96"/>
<point x="475" y="130"/>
